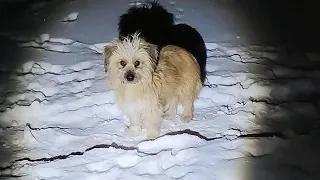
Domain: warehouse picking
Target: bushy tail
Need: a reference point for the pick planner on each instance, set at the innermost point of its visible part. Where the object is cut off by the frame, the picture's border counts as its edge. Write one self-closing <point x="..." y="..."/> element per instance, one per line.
<point x="151" y="19"/>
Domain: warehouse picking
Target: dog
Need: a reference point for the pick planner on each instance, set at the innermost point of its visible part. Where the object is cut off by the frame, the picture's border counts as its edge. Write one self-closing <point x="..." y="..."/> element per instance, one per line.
<point x="156" y="26"/>
<point x="149" y="85"/>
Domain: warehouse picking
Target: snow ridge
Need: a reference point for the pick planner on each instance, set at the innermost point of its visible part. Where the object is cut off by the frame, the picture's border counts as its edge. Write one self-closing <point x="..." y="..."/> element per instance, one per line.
<point x="64" y="116"/>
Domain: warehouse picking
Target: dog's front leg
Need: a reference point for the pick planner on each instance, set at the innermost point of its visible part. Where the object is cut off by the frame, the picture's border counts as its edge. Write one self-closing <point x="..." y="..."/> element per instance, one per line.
<point x="135" y="126"/>
<point x="153" y="123"/>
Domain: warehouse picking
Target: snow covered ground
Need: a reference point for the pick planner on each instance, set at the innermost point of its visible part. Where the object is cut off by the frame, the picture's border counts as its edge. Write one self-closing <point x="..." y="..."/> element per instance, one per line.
<point x="257" y="118"/>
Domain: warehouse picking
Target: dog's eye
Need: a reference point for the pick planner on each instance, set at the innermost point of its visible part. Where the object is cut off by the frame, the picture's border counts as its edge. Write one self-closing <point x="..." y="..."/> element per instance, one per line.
<point x="123" y="63"/>
<point x="136" y="64"/>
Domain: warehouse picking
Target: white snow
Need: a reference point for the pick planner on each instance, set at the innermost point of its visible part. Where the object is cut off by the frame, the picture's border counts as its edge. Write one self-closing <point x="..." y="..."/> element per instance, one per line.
<point x="71" y="17"/>
<point x="172" y="3"/>
<point x="71" y="109"/>
<point x="62" y="123"/>
<point x="43" y="38"/>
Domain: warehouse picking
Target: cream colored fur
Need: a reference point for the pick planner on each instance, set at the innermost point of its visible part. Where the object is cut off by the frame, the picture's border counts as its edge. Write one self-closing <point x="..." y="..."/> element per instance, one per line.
<point x="158" y="88"/>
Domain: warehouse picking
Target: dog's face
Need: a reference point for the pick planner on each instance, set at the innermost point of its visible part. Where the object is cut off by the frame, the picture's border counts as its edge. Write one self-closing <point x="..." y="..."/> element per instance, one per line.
<point x="130" y="61"/>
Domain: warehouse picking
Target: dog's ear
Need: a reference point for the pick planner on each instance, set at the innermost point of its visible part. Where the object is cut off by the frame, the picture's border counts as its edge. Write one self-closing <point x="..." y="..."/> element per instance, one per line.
<point x="108" y="50"/>
<point x="153" y="53"/>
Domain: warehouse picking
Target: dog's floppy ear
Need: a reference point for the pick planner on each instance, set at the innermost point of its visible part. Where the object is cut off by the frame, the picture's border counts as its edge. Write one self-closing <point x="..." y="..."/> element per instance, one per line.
<point x="108" y="50"/>
<point x="153" y="53"/>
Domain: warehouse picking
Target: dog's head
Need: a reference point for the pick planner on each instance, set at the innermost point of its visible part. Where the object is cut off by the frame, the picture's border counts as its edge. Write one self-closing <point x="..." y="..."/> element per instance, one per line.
<point x="130" y="61"/>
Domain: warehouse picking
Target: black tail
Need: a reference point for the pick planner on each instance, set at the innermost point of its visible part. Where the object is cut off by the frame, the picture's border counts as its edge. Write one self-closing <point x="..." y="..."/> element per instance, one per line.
<point x="151" y="20"/>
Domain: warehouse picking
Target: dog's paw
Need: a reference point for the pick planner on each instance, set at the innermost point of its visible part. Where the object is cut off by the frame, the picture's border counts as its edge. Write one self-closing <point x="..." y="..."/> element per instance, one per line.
<point x="133" y="131"/>
<point x="152" y="134"/>
<point x="186" y="118"/>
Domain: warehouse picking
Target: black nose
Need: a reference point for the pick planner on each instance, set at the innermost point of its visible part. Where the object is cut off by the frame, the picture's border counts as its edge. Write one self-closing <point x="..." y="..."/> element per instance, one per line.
<point x="129" y="76"/>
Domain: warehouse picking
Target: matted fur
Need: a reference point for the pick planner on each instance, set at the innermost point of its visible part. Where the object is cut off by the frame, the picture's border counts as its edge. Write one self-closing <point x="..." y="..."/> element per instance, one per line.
<point x="159" y="88"/>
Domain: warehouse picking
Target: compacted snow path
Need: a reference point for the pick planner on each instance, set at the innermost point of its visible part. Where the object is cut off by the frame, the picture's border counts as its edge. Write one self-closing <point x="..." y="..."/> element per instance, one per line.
<point x="62" y="123"/>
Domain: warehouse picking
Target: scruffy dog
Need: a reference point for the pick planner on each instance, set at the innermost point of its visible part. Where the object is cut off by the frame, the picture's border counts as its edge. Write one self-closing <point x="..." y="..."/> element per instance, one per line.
<point x="150" y="85"/>
<point x="156" y="26"/>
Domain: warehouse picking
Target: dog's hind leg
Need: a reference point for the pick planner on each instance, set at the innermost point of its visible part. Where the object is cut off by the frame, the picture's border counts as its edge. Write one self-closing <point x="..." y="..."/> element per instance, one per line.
<point x="172" y="106"/>
<point x="187" y="102"/>
<point x="187" y="114"/>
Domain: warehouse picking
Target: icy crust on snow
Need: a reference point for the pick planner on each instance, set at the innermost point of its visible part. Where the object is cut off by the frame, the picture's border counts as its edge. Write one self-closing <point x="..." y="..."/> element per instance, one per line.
<point x="66" y="124"/>
<point x="176" y="161"/>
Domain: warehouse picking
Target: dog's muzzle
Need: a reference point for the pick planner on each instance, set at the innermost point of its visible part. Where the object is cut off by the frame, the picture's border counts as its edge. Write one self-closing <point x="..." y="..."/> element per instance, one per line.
<point x="129" y="76"/>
